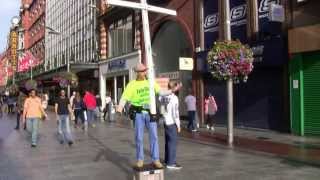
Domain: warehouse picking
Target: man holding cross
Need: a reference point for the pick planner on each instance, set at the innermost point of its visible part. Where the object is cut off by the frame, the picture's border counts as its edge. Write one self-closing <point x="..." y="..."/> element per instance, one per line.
<point x="137" y="93"/>
<point x="141" y="92"/>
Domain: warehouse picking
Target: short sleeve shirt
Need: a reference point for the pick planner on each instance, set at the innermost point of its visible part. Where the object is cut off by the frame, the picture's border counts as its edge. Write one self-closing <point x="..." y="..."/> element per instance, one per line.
<point x="190" y="102"/>
<point x="137" y="92"/>
<point x="63" y="105"/>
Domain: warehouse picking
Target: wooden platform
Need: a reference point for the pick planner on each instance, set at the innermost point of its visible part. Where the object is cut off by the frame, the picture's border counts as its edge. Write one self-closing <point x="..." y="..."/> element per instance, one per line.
<point x="148" y="172"/>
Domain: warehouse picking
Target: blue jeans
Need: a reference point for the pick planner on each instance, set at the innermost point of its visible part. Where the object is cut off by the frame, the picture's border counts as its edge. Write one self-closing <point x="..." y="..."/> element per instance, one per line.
<point x="33" y="127"/>
<point x="64" y="128"/>
<point x="90" y="116"/>
<point x="141" y="120"/>
<point x="192" y="120"/>
<point x="170" y="144"/>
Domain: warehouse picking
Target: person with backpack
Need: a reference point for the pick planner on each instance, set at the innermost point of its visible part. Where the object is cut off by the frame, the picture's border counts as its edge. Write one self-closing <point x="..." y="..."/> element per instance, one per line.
<point x="210" y="109"/>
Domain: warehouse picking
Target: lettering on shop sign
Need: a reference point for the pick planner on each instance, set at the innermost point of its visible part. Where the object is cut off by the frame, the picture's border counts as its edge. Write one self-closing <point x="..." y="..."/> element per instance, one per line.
<point x="170" y="75"/>
<point x="117" y="64"/>
<point x="237" y="15"/>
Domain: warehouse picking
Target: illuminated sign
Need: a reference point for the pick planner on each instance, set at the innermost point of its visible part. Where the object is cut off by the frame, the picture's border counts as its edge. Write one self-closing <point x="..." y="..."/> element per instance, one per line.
<point x="13" y="48"/>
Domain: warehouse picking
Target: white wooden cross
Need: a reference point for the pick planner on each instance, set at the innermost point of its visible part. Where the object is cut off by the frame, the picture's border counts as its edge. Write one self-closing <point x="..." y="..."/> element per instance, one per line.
<point x="145" y="7"/>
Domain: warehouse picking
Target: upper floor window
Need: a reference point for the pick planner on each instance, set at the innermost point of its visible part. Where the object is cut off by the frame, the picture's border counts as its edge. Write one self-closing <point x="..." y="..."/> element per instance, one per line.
<point x="120" y="40"/>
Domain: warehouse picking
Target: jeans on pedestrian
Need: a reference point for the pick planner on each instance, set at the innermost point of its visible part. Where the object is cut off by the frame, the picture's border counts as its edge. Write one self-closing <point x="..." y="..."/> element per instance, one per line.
<point x="170" y="144"/>
<point x="18" y="119"/>
<point x="79" y="117"/>
<point x="141" y="120"/>
<point x="64" y="128"/>
<point x="192" y="120"/>
<point x="33" y="127"/>
<point x="90" y="116"/>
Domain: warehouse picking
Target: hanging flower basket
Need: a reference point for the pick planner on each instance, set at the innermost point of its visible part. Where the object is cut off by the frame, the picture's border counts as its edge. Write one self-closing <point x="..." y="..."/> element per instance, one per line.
<point x="31" y="84"/>
<point x="67" y="78"/>
<point x="230" y="60"/>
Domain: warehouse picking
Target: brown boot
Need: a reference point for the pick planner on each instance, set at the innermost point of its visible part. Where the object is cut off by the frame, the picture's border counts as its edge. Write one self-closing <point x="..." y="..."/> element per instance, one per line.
<point x="139" y="164"/>
<point x="157" y="164"/>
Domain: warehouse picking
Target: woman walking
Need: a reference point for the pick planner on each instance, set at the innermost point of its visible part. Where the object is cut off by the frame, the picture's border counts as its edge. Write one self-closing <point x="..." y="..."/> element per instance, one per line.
<point x="210" y="109"/>
<point x="32" y="114"/>
<point x="77" y="106"/>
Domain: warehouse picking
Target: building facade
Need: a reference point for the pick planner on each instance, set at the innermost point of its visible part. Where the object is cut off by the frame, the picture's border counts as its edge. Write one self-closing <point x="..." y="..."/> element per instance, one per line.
<point x="33" y="28"/>
<point x="121" y="43"/>
<point x="71" y="43"/>
<point x="261" y="102"/>
<point x="73" y="39"/>
<point x="304" y="66"/>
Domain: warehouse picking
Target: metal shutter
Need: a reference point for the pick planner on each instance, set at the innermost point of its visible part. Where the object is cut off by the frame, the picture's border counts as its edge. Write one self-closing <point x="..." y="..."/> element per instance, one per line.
<point x="311" y="76"/>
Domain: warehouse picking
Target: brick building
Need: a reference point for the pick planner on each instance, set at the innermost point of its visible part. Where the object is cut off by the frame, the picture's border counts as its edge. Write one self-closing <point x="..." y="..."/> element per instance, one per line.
<point x="33" y="24"/>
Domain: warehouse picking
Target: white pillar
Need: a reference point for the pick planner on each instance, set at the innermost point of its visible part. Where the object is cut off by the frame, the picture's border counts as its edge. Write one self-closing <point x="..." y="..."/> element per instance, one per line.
<point x="103" y="88"/>
<point x="115" y="90"/>
<point x="124" y="82"/>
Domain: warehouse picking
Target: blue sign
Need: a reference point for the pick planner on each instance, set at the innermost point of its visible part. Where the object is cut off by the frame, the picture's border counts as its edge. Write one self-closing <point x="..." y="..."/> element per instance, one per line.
<point x="238" y="16"/>
<point x="117" y="64"/>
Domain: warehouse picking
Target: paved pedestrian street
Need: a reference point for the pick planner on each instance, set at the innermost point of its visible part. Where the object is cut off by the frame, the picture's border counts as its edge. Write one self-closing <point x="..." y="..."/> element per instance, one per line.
<point x="107" y="152"/>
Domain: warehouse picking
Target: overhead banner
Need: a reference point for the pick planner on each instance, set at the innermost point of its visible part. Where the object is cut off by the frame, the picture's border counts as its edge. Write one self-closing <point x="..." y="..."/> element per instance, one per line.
<point x="238" y="16"/>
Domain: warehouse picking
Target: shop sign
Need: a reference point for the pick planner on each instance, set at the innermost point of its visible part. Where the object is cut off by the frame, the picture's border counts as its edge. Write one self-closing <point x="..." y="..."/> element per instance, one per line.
<point x="170" y="75"/>
<point x="238" y="17"/>
<point x="118" y="64"/>
<point x="276" y="13"/>
<point x="185" y="63"/>
<point x="13" y="48"/>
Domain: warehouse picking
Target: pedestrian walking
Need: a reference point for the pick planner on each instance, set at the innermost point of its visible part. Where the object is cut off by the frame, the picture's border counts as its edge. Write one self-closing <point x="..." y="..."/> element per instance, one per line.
<point x="20" y="103"/>
<point x="210" y="109"/>
<point x="170" y="106"/>
<point x="32" y="114"/>
<point x="108" y="106"/>
<point x="72" y="115"/>
<point x="62" y="110"/>
<point x="1" y="106"/>
<point x="78" y="108"/>
<point x="137" y="93"/>
<point x="11" y="103"/>
<point x="190" y="101"/>
<point x="90" y="102"/>
<point x="99" y="104"/>
<point x="44" y="100"/>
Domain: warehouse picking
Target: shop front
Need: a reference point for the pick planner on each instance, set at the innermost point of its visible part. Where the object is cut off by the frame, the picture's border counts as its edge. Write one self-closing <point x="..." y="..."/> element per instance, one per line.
<point x="115" y="74"/>
<point x="261" y="102"/>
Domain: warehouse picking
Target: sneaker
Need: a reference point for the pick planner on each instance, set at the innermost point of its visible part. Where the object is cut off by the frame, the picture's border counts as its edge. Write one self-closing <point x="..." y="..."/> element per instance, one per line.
<point x="33" y="145"/>
<point x="139" y="164"/>
<point x="194" y="130"/>
<point x="174" y="167"/>
<point x="158" y="164"/>
<point x="212" y="128"/>
<point x="208" y="127"/>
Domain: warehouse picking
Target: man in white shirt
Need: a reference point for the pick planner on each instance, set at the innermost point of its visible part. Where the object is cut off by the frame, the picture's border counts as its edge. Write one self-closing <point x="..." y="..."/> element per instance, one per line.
<point x="190" y="101"/>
